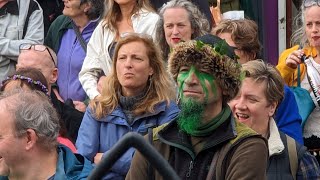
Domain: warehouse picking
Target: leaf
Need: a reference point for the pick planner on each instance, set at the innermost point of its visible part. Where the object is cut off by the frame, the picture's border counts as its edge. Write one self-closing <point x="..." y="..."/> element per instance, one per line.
<point x="199" y="45"/>
<point x="221" y="47"/>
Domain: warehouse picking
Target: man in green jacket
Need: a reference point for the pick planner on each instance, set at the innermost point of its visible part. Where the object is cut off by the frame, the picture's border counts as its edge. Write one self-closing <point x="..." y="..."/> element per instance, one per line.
<point x="205" y="141"/>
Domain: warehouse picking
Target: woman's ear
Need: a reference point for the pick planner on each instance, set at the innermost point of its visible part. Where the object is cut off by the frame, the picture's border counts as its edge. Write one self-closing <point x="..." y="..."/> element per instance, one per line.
<point x="151" y="71"/>
<point x="87" y="7"/>
<point x="272" y="108"/>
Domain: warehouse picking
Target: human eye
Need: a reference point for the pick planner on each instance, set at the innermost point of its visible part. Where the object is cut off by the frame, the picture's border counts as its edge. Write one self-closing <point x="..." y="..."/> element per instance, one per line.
<point x="121" y="57"/>
<point x="205" y="71"/>
<point x="169" y="26"/>
<point x="252" y="99"/>
<point x="138" y="58"/>
<point x="309" y="24"/>
<point x="184" y="69"/>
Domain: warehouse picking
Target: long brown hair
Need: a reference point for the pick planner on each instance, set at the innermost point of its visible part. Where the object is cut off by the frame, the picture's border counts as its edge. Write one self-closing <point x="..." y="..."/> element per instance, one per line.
<point x="160" y="86"/>
<point x="113" y="12"/>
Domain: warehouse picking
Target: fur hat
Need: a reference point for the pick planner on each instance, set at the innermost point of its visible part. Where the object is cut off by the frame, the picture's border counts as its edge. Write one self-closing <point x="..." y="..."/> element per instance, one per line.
<point x="226" y="70"/>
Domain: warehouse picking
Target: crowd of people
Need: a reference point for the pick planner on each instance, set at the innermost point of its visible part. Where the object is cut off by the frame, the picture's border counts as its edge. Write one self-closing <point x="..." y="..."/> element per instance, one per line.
<point x="79" y="76"/>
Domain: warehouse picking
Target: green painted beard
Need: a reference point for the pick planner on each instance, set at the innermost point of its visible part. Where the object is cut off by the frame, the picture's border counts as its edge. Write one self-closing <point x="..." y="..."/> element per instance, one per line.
<point x="190" y="117"/>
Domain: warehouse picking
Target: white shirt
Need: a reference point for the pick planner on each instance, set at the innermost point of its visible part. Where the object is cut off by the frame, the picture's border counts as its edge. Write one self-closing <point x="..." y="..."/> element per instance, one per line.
<point x="98" y="58"/>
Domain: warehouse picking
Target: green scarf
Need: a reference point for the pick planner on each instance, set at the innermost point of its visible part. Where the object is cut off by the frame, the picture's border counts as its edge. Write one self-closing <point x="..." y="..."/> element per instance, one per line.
<point x="207" y="129"/>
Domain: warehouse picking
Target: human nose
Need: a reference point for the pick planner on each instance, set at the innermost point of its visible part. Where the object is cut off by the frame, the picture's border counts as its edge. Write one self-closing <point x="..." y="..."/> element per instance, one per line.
<point x="128" y="63"/>
<point x="175" y="30"/>
<point x="239" y="103"/>
<point x="192" y="79"/>
<point x="315" y="28"/>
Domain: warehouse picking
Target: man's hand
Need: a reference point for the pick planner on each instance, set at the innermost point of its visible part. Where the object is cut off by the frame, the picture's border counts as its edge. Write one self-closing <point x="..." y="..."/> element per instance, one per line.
<point x="97" y="158"/>
<point x="80" y="106"/>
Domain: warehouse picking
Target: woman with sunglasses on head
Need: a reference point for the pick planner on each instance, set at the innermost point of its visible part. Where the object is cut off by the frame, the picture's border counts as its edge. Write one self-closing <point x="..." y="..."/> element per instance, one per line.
<point x="121" y="17"/>
<point x="136" y="95"/>
<point x="307" y="38"/>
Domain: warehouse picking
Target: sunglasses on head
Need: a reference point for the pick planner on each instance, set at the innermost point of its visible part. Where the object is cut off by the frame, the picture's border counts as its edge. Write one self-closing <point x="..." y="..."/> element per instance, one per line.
<point x="309" y="3"/>
<point x="37" y="47"/>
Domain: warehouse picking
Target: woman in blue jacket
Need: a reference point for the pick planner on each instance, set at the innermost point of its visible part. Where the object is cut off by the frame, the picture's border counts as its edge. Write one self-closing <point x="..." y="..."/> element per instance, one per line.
<point x="137" y="94"/>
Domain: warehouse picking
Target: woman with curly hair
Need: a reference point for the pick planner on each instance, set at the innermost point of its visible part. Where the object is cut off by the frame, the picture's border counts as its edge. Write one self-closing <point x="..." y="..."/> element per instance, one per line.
<point x="180" y="20"/>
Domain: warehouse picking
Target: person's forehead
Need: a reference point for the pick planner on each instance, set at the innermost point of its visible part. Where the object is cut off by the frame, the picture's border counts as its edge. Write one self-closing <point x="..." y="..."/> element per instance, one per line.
<point x="33" y="58"/>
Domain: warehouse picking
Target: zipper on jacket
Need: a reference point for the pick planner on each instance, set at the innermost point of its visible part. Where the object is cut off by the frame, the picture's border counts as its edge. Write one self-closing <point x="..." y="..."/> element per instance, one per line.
<point x="190" y="169"/>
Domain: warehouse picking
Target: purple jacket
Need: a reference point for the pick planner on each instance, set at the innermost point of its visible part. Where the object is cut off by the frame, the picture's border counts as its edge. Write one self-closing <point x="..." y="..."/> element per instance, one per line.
<point x="70" y="60"/>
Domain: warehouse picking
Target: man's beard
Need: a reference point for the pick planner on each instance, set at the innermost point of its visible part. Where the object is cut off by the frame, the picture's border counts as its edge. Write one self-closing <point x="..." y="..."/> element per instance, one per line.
<point x="190" y="117"/>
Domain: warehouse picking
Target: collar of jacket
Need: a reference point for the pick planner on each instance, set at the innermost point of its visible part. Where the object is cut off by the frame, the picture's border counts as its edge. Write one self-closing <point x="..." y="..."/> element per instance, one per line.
<point x="118" y="112"/>
<point x="11" y="7"/>
<point x="274" y="141"/>
<point x="142" y="13"/>
<point x="173" y="136"/>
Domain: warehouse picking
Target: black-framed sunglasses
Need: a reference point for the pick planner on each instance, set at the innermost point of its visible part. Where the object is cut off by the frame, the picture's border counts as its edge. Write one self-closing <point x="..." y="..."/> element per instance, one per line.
<point x="37" y="47"/>
<point x="309" y="3"/>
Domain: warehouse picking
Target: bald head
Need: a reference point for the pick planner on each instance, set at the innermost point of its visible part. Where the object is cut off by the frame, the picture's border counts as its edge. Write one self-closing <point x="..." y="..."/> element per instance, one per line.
<point x="40" y="60"/>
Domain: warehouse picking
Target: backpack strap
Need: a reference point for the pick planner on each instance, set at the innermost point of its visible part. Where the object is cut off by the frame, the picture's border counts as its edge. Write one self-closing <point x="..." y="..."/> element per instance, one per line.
<point x="32" y="7"/>
<point x="293" y="157"/>
<point x="217" y="161"/>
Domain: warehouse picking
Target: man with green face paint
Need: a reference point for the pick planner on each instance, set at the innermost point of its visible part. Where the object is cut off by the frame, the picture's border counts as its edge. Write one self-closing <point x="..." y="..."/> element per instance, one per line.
<point x="205" y="141"/>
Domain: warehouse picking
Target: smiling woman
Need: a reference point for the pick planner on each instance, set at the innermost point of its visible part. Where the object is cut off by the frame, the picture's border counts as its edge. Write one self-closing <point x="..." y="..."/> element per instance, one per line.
<point x="260" y="93"/>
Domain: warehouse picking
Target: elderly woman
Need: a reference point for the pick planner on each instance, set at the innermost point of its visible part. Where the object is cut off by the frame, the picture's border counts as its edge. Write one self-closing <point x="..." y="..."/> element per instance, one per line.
<point x="68" y="36"/>
<point x="255" y="105"/>
<point x="242" y="35"/>
<point x="307" y="38"/>
<point x="121" y="17"/>
<point x="180" y="20"/>
<point x="136" y="94"/>
<point x="32" y="79"/>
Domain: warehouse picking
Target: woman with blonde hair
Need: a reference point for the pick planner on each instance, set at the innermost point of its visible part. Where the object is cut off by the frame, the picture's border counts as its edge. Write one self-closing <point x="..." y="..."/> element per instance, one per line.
<point x="306" y="41"/>
<point x="121" y="17"/>
<point x="136" y="95"/>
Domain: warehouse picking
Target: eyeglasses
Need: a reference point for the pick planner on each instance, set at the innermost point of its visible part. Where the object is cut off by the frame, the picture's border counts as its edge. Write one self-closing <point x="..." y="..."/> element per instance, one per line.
<point x="309" y="3"/>
<point x="37" y="47"/>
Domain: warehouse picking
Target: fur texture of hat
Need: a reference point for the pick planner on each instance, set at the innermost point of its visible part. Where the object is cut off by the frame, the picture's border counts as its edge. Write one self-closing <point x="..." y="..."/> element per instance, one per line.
<point x="226" y="70"/>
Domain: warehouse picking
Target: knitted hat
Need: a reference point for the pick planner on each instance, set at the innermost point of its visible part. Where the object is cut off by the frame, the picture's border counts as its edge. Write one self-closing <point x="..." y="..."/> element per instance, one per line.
<point x="226" y="70"/>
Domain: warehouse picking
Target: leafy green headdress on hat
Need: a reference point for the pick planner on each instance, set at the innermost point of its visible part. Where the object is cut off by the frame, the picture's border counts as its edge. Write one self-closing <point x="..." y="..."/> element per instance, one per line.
<point x="226" y="70"/>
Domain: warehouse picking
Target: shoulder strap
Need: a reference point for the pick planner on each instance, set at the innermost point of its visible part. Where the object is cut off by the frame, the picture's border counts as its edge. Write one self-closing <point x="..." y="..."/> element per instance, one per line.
<point x="293" y="158"/>
<point x="32" y="7"/>
<point x="298" y="78"/>
<point x="79" y="37"/>
<point x="217" y="161"/>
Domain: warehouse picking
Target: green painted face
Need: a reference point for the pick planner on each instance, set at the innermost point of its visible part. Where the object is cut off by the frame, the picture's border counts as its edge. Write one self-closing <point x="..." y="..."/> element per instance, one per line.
<point x="202" y="76"/>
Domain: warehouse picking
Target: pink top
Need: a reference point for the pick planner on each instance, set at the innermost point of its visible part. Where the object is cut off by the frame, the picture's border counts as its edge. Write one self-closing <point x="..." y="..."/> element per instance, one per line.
<point x="67" y="142"/>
